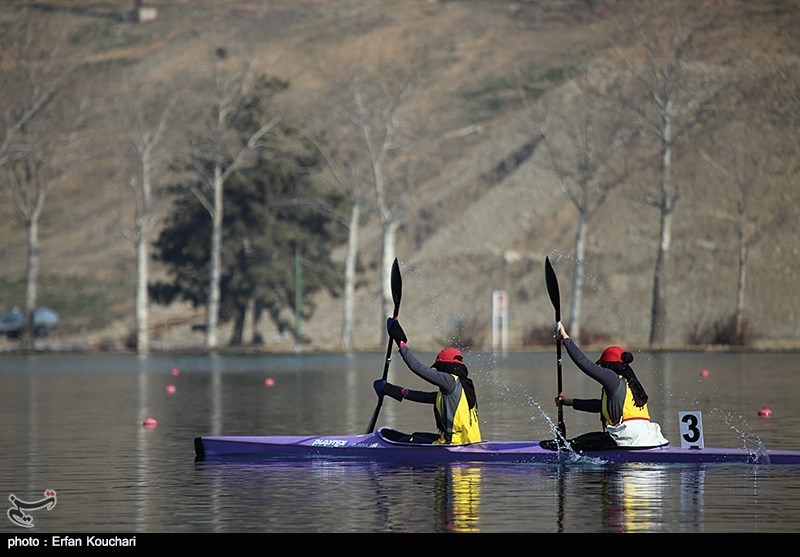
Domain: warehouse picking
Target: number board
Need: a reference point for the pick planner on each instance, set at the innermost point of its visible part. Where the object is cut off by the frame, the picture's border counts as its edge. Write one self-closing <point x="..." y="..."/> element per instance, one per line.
<point x="691" y="429"/>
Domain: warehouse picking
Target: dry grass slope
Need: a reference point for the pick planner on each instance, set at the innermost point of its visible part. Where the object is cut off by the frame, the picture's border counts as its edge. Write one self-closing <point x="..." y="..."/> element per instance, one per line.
<point x="491" y="208"/>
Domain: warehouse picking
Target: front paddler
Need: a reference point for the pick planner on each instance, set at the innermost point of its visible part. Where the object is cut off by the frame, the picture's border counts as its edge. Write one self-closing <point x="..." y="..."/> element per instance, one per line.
<point x="622" y="407"/>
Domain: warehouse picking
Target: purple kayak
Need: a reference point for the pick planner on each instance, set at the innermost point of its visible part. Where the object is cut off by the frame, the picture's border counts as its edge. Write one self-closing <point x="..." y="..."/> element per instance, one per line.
<point x="384" y="445"/>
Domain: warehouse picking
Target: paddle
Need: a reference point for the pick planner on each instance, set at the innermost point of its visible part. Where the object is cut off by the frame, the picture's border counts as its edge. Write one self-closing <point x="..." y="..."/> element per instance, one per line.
<point x="555" y="298"/>
<point x="397" y="292"/>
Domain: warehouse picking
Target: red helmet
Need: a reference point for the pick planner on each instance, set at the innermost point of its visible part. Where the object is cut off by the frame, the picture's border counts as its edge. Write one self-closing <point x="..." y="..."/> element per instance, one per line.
<point x="611" y="354"/>
<point x="450" y="355"/>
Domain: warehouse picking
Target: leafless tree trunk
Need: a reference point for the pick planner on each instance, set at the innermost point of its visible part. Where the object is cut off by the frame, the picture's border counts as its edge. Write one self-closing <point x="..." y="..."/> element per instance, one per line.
<point x="589" y="149"/>
<point x="672" y="100"/>
<point x="364" y="161"/>
<point x="350" y="259"/>
<point x="377" y="105"/>
<point x="225" y="150"/>
<point x="215" y="274"/>
<point x="750" y="183"/>
<point x="145" y="131"/>
<point x="34" y="70"/>
<point x="347" y="176"/>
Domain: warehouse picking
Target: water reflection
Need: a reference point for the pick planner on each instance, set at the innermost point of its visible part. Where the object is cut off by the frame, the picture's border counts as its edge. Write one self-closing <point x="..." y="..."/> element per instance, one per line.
<point x="631" y="499"/>
<point x="582" y="496"/>
<point x="366" y="496"/>
<point x="307" y="496"/>
<point x="343" y="496"/>
<point x="692" y="498"/>
<point x="458" y="496"/>
<point x="142" y="449"/>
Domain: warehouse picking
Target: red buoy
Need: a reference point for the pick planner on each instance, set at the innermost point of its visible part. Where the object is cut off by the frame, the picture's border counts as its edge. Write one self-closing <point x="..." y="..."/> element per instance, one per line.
<point x="175" y="372"/>
<point x="764" y="412"/>
<point x="170" y="389"/>
<point x="269" y="382"/>
<point x="150" y="422"/>
<point x="704" y="373"/>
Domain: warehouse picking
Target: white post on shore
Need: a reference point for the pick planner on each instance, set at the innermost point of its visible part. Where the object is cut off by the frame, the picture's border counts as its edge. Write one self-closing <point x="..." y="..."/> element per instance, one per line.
<point x="499" y="320"/>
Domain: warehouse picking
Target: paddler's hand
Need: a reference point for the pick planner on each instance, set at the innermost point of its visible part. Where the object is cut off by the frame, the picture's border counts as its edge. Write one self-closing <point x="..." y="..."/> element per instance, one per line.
<point x="561" y="400"/>
<point x="561" y="332"/>
<point x="395" y="331"/>
<point x="383" y="388"/>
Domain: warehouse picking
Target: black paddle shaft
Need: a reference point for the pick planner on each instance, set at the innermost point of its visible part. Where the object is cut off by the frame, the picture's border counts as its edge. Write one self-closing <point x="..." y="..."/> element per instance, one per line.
<point x="555" y="299"/>
<point x="397" y="293"/>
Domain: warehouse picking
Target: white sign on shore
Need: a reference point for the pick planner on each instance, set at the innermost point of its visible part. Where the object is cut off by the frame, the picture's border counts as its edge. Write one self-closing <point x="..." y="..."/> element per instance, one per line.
<point x="499" y="320"/>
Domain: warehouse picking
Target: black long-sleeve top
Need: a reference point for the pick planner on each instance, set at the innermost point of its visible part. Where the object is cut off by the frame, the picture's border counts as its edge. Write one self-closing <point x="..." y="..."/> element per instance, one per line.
<point x="444" y="381"/>
<point x="614" y="386"/>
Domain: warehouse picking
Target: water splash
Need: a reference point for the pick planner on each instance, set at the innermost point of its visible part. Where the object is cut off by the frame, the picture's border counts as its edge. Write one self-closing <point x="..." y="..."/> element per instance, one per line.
<point x="750" y="442"/>
<point x="564" y="446"/>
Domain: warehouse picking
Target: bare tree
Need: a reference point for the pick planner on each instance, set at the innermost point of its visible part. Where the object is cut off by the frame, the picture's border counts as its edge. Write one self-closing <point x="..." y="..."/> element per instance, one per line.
<point x="741" y="165"/>
<point x="589" y="148"/>
<point x="346" y="173"/>
<point x="145" y="125"/>
<point x="672" y="94"/>
<point x="377" y="103"/>
<point x="37" y="123"/>
<point x="217" y="151"/>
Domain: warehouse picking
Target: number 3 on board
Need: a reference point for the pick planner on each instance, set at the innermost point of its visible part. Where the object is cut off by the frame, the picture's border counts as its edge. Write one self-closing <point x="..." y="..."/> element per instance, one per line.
<point x="691" y="429"/>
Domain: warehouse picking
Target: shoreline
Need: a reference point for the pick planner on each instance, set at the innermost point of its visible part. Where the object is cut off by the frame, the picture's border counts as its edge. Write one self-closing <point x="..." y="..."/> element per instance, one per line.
<point x="11" y="348"/>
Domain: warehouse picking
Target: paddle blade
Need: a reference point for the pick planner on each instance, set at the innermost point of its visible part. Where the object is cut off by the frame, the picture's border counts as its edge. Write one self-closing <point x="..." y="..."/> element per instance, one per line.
<point x="397" y="286"/>
<point x="552" y="287"/>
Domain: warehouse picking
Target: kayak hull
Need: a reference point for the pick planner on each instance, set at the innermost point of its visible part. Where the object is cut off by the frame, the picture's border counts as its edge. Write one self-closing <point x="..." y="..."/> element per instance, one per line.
<point x="380" y="446"/>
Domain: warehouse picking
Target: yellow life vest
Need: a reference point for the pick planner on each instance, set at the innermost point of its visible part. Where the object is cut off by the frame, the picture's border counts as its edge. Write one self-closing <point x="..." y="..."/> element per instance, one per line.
<point x="629" y="410"/>
<point x="458" y="423"/>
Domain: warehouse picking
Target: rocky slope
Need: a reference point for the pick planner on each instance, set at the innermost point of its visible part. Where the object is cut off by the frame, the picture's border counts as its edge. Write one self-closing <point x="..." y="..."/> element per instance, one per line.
<point x="490" y="208"/>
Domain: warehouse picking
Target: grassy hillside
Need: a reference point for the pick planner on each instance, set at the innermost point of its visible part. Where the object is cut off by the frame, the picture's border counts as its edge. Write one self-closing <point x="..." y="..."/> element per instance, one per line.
<point x="488" y="207"/>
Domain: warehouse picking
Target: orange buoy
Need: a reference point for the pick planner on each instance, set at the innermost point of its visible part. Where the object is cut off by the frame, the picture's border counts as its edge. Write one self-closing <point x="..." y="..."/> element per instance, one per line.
<point x="150" y="422"/>
<point x="170" y="389"/>
<point x="269" y="382"/>
<point x="704" y="373"/>
<point x="764" y="412"/>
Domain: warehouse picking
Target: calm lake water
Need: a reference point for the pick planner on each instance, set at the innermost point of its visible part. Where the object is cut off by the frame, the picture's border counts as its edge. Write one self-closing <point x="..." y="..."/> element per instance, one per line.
<point x="74" y="424"/>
